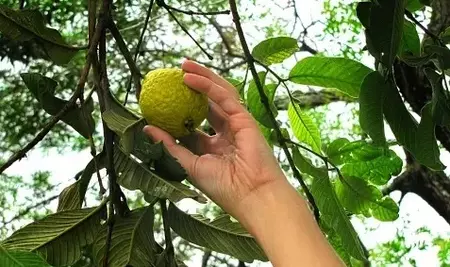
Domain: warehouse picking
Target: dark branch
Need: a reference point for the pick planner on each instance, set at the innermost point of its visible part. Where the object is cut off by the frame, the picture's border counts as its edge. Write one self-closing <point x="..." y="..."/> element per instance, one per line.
<point x="28" y="209"/>
<point x="429" y="33"/>
<point x="69" y="106"/>
<point x="265" y="102"/>
<point x="187" y="32"/>
<point x="138" y="47"/>
<point x="135" y="72"/>
<point x="162" y="3"/>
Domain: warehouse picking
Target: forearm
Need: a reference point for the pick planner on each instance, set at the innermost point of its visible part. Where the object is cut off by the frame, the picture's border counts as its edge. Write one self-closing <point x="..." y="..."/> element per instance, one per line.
<point x="283" y="225"/>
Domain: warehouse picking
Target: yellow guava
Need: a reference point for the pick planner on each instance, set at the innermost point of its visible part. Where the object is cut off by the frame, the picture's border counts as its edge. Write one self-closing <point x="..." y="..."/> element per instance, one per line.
<point x="168" y="103"/>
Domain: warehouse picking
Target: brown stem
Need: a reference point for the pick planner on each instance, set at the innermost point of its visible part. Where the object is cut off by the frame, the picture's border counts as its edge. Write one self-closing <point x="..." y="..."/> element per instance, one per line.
<point x="265" y="102"/>
<point x="138" y="47"/>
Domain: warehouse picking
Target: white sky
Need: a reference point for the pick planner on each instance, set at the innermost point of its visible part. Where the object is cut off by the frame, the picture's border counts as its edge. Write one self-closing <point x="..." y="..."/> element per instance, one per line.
<point x="413" y="209"/>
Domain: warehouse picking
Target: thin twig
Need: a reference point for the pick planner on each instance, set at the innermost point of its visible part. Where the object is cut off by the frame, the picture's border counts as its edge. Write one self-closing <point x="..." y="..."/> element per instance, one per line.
<point x="167" y="233"/>
<point x="187" y="32"/>
<point x="162" y="3"/>
<point x="410" y="16"/>
<point x="69" y="105"/>
<point x="28" y="209"/>
<point x="138" y="47"/>
<point x="265" y="102"/>
<point x="135" y="72"/>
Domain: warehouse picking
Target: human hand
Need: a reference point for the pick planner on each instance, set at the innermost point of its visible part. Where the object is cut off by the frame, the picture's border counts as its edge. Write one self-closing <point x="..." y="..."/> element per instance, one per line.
<point x="234" y="163"/>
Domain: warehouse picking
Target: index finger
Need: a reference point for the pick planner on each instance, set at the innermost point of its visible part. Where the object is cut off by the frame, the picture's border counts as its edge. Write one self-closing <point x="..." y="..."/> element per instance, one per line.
<point x="195" y="68"/>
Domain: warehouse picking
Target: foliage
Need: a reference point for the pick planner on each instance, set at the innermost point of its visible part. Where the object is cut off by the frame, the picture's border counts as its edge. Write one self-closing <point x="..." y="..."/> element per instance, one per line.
<point x="345" y="177"/>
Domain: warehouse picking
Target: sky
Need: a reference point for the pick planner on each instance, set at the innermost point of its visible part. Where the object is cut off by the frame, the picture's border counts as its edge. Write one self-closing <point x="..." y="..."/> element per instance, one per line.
<point x="414" y="212"/>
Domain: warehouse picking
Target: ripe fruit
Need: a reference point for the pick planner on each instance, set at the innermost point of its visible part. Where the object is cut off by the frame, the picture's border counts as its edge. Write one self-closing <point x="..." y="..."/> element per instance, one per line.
<point x="168" y="103"/>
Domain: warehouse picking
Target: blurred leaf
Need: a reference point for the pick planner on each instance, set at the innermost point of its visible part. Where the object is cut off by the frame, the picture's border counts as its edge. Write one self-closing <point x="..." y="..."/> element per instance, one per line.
<point x="132" y="241"/>
<point x="72" y="197"/>
<point x="440" y="101"/>
<point x="357" y="196"/>
<point x="255" y="105"/>
<point x="59" y="237"/>
<point x="410" y="40"/>
<point x="426" y="148"/>
<point x="371" y="100"/>
<point x="220" y="235"/>
<point x="305" y="165"/>
<point x="385" y="29"/>
<point x="43" y="89"/>
<point x="28" y="24"/>
<point x="378" y="170"/>
<point x="333" y="150"/>
<point x="421" y="143"/>
<point x="15" y="258"/>
<point x="334" y="215"/>
<point x="304" y="128"/>
<point x="415" y="61"/>
<point x="445" y="35"/>
<point x="342" y="74"/>
<point x="133" y="175"/>
<point x="443" y="53"/>
<point x="335" y="240"/>
<point x="239" y="85"/>
<point x="275" y="50"/>
<point x="363" y="13"/>
<point x="414" y="5"/>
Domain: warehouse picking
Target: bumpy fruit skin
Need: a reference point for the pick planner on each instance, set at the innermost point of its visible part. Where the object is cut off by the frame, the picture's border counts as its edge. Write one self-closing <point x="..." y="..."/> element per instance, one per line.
<point x="166" y="102"/>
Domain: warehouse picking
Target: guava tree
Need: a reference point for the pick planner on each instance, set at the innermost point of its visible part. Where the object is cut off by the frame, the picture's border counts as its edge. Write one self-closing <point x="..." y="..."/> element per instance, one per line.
<point x="80" y="86"/>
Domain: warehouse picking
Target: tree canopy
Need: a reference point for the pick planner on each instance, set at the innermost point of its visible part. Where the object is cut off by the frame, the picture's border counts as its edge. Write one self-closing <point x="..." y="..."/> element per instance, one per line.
<point x="352" y="97"/>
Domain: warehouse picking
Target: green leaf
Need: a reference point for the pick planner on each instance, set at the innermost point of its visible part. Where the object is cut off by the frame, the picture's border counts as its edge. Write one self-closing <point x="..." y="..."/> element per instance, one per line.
<point x="363" y="13"/>
<point x="378" y="170"/>
<point x="221" y="234"/>
<point x="426" y="148"/>
<point x="336" y="242"/>
<point x="15" y="258"/>
<point x="440" y="100"/>
<point x="239" y="85"/>
<point x="371" y="100"/>
<point x="256" y="107"/>
<point x="59" y="237"/>
<point x="305" y="165"/>
<point x="132" y="241"/>
<point x="133" y="140"/>
<point x="304" y="128"/>
<point x="72" y="197"/>
<point x="275" y="50"/>
<point x="410" y="42"/>
<point x="443" y="54"/>
<point x="385" y="29"/>
<point x="359" y="197"/>
<point x="28" y="24"/>
<point x="342" y="74"/>
<point x="414" y="5"/>
<point x="445" y="36"/>
<point x="385" y="210"/>
<point x="415" y="61"/>
<point x="334" y="215"/>
<point x="133" y="175"/>
<point x="43" y="89"/>
<point x="333" y="150"/>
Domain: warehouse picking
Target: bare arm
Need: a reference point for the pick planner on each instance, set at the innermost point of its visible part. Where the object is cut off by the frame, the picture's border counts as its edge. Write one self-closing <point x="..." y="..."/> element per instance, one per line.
<point x="237" y="169"/>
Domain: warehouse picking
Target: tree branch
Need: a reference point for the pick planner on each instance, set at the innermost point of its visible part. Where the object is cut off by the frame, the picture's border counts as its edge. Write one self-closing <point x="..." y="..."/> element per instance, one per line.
<point x="265" y="102"/>
<point x="69" y="106"/>
<point x="138" y="47"/>
<point x="162" y="3"/>
<point x="135" y="72"/>
<point x="28" y="209"/>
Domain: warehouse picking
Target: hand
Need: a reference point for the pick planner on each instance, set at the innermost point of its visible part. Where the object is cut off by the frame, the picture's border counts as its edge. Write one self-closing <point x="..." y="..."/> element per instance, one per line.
<point x="236" y="161"/>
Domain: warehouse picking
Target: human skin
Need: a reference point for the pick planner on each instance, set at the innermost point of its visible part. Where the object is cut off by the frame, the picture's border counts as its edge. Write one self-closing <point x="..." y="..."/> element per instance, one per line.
<point x="237" y="170"/>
